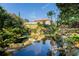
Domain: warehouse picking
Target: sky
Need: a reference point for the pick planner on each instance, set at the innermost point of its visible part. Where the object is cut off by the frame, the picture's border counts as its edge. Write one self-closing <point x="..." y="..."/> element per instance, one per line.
<point x="32" y="11"/>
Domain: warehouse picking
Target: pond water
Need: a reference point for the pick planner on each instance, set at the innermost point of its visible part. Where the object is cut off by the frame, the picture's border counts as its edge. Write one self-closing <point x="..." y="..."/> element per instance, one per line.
<point x="41" y="48"/>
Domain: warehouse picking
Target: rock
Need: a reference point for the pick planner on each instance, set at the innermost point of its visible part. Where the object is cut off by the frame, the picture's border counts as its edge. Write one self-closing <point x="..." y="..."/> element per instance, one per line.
<point x="76" y="44"/>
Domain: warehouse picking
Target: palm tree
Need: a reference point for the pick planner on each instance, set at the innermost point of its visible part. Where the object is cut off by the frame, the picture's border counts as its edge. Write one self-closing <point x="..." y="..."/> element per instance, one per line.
<point x="50" y="14"/>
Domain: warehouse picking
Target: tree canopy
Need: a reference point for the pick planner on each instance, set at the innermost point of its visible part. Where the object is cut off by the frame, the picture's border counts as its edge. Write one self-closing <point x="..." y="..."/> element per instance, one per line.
<point x="69" y="13"/>
<point x="11" y="29"/>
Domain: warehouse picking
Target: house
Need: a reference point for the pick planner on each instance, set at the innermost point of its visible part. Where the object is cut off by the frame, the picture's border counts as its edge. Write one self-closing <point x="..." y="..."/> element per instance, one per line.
<point x="33" y="24"/>
<point x="45" y="21"/>
<point x="30" y="25"/>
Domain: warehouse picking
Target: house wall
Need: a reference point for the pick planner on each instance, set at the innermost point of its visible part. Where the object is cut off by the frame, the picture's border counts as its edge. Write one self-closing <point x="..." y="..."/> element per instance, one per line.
<point x="48" y="22"/>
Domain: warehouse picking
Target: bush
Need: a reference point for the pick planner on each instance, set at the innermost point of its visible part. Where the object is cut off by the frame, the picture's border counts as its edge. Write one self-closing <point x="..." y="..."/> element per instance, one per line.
<point x="73" y="38"/>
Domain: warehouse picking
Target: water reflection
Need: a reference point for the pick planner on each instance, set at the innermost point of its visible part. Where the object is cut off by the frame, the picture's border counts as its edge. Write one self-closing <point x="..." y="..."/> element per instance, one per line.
<point x="45" y="48"/>
<point x="40" y="48"/>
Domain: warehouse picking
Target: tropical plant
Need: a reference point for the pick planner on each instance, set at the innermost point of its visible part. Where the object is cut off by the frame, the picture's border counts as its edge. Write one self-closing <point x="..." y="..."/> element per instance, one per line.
<point x="50" y="14"/>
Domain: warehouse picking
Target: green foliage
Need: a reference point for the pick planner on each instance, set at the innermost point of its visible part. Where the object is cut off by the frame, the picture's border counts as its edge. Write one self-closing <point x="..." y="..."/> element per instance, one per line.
<point x="50" y="14"/>
<point x="74" y="37"/>
<point x="51" y="29"/>
<point x="68" y="13"/>
<point x="26" y="20"/>
<point x="11" y="29"/>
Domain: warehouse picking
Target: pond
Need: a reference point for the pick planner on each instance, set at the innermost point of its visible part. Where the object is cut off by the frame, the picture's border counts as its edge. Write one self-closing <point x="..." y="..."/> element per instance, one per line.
<point x="41" y="48"/>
